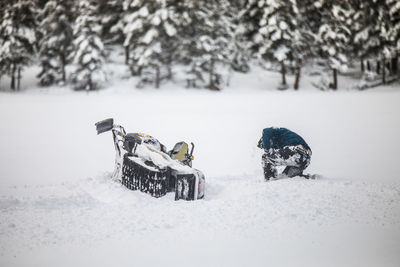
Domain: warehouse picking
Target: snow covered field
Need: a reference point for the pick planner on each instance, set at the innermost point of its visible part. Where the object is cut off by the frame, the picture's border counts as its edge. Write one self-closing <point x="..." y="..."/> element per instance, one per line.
<point x="58" y="206"/>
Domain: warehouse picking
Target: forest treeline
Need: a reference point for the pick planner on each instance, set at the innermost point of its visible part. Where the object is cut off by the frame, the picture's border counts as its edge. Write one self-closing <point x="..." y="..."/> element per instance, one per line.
<point x="202" y="37"/>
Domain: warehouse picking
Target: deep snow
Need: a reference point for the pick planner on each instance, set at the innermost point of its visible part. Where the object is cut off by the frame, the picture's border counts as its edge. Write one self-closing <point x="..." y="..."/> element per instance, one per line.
<point x="59" y="207"/>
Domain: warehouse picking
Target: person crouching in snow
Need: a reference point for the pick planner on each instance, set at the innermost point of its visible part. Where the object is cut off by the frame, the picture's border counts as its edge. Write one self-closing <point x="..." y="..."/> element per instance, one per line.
<point x="284" y="148"/>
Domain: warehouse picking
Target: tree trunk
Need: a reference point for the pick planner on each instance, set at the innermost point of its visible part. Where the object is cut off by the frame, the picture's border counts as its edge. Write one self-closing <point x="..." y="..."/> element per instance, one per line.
<point x="90" y="84"/>
<point x="157" y="81"/>
<point x="389" y="66"/>
<point x="335" y="83"/>
<point x="63" y="64"/>
<point x="283" y="71"/>
<point x="169" y="67"/>
<point x="378" y="67"/>
<point x="127" y="55"/>
<point x="135" y="72"/>
<point x="212" y="73"/>
<point x="362" y="65"/>
<point x="368" y="66"/>
<point x="19" y="79"/>
<point x="383" y="70"/>
<point x="169" y="70"/>
<point x="395" y="66"/>
<point x="13" y="69"/>
<point x="297" y="81"/>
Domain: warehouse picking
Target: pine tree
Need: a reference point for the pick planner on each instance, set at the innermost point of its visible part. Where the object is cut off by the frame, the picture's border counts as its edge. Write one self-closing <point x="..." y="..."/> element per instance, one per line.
<point x="18" y="38"/>
<point x="361" y="32"/>
<point x="89" y="48"/>
<point x="334" y="35"/>
<point x="208" y="41"/>
<point x="3" y="63"/>
<point x="367" y="39"/>
<point x="56" y="42"/>
<point x="377" y="33"/>
<point x="394" y="33"/>
<point x="386" y="48"/>
<point x="111" y="12"/>
<point x="250" y="18"/>
<point x="278" y="35"/>
<point x="151" y="37"/>
<point x="189" y="55"/>
<point x="241" y="49"/>
<point x="304" y="42"/>
<point x="131" y="24"/>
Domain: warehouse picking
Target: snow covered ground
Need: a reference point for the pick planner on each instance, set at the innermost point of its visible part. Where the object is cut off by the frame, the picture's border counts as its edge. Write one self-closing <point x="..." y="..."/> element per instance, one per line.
<point x="59" y="207"/>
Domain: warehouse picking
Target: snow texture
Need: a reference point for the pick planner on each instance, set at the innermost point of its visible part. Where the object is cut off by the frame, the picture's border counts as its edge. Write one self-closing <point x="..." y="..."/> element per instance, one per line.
<point x="60" y="207"/>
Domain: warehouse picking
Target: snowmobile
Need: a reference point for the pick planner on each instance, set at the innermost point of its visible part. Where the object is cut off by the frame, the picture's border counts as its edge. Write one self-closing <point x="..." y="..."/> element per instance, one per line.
<point x="143" y="163"/>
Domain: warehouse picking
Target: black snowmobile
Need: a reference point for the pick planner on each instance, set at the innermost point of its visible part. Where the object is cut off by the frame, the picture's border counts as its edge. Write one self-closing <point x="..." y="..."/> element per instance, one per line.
<point x="143" y="163"/>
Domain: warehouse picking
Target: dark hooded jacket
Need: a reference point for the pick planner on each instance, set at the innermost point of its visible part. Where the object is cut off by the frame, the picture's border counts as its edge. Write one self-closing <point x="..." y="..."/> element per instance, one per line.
<point x="277" y="138"/>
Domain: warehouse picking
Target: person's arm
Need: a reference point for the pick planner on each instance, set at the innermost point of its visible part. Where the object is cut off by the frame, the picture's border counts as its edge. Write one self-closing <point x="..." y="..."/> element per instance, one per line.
<point x="267" y="139"/>
<point x="260" y="145"/>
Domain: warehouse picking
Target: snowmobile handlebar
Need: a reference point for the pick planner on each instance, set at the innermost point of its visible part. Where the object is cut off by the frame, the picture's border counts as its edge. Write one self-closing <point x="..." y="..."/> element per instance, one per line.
<point x="108" y="125"/>
<point x="191" y="151"/>
<point x="104" y="125"/>
<point x="189" y="157"/>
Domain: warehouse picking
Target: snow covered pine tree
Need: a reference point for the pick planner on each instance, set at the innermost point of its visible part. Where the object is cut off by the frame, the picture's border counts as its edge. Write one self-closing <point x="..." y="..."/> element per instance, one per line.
<point x="18" y="38"/>
<point x="334" y="35"/>
<point x="394" y="33"/>
<point x="208" y="41"/>
<point x="278" y="33"/>
<point x="241" y="49"/>
<point x="89" y="48"/>
<point x="386" y="48"/>
<point x="151" y="38"/>
<point x="374" y="35"/>
<point x="304" y="43"/>
<point x="111" y="16"/>
<point x="3" y="63"/>
<point x="56" y="41"/>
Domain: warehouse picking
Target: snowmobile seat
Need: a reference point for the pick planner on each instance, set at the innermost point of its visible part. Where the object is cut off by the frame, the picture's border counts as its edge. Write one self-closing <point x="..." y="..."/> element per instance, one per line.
<point x="150" y="140"/>
<point x="181" y="152"/>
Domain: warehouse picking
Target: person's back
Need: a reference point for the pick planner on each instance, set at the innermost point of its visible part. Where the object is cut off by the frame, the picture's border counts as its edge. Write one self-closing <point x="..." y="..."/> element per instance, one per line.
<point x="284" y="148"/>
<point x="278" y="138"/>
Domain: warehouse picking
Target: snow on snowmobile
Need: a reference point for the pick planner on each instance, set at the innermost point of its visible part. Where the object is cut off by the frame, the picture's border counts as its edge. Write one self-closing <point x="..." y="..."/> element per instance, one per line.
<point x="143" y="163"/>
